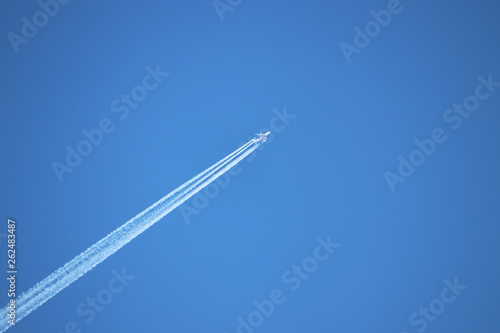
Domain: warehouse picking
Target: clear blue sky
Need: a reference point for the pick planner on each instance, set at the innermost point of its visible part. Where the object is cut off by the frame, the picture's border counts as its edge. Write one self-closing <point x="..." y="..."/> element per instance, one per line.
<point x="330" y="172"/>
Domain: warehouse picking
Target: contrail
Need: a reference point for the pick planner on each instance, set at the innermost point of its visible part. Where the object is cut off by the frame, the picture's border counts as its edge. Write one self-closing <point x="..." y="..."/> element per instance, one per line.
<point x="88" y="259"/>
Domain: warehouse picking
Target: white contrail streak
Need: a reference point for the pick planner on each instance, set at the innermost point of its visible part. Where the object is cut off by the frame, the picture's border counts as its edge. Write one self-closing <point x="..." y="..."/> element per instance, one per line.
<point x="87" y="260"/>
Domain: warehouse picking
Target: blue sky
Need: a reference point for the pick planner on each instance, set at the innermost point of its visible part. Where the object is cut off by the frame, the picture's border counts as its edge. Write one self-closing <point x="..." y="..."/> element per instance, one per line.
<point x="329" y="172"/>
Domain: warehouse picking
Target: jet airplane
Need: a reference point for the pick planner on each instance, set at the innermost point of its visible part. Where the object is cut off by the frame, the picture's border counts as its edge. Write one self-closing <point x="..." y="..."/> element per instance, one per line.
<point x="262" y="136"/>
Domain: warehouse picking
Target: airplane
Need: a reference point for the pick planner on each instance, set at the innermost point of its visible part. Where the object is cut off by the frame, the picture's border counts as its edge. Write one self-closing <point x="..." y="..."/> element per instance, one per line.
<point x="262" y="136"/>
